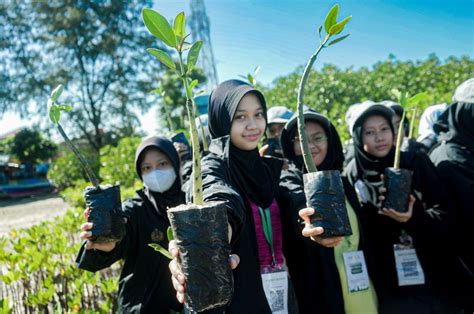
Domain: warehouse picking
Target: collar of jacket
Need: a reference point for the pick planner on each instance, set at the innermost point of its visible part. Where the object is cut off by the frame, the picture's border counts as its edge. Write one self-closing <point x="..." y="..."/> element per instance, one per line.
<point x="220" y="147"/>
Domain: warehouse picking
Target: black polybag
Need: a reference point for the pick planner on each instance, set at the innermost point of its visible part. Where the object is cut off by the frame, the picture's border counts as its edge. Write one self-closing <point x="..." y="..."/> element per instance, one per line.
<point x="105" y="213"/>
<point x="201" y="234"/>
<point x="398" y="185"/>
<point x="325" y="193"/>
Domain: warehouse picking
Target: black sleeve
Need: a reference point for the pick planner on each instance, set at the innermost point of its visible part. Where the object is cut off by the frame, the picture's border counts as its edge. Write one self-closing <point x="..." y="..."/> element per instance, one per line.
<point x="94" y="260"/>
<point x="216" y="187"/>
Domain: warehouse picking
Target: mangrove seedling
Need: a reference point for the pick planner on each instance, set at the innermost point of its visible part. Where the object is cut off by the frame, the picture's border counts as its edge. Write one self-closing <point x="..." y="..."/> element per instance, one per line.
<point x="103" y="201"/>
<point x="199" y="229"/>
<point x="323" y="189"/>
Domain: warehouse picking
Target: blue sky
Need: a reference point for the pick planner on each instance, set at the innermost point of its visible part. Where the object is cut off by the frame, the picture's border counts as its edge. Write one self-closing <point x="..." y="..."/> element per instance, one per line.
<point x="281" y="35"/>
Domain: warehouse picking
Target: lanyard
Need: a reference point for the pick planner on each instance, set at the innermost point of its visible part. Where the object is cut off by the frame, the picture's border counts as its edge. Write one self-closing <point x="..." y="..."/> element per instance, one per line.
<point x="267" y="230"/>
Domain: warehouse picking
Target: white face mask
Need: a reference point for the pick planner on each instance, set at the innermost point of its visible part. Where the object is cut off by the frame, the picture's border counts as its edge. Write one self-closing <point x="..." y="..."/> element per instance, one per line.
<point x="159" y="180"/>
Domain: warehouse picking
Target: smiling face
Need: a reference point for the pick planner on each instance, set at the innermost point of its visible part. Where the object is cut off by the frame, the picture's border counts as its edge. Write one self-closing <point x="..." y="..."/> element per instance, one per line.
<point x="317" y="141"/>
<point x="154" y="159"/>
<point x="377" y="136"/>
<point x="248" y="124"/>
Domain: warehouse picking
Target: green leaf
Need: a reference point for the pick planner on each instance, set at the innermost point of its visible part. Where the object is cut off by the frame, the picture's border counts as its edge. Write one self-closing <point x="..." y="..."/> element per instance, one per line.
<point x="331" y="18"/>
<point x="169" y="234"/>
<point x="335" y="41"/>
<point x="251" y="79"/>
<point x="159" y="27"/>
<point x="319" y="33"/>
<point x="54" y="114"/>
<point x="163" y="57"/>
<point x="160" y="249"/>
<point x="193" y="84"/>
<point x="193" y="55"/>
<point x="65" y="107"/>
<point x="418" y="97"/>
<point x="179" y="26"/>
<point x="56" y="93"/>
<point x="337" y="28"/>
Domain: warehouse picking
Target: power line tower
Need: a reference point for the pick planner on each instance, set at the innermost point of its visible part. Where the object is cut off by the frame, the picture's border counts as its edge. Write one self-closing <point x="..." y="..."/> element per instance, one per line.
<point x="199" y="23"/>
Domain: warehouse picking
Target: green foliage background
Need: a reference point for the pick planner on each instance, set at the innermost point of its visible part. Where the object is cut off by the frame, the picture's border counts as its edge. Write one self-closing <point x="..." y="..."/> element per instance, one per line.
<point x="332" y="90"/>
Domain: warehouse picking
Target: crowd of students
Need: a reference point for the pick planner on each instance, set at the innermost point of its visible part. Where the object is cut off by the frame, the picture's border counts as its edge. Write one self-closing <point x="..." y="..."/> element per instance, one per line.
<point x="418" y="261"/>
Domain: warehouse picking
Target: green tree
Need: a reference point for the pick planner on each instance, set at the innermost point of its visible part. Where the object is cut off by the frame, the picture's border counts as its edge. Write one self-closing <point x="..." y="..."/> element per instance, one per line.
<point x="332" y="90"/>
<point x="95" y="48"/>
<point x="172" y="101"/>
<point x="29" y="146"/>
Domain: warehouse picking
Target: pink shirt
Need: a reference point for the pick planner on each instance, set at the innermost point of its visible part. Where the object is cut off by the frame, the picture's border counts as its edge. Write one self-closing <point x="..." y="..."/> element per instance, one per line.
<point x="264" y="251"/>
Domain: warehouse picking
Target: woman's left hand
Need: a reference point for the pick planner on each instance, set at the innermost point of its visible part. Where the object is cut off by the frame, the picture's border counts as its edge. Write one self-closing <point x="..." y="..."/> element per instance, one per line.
<point x="400" y="217"/>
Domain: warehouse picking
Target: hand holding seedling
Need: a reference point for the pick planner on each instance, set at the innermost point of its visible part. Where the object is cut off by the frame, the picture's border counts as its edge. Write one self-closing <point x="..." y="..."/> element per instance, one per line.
<point x="392" y="213"/>
<point x="86" y="235"/>
<point x="314" y="233"/>
<point x="177" y="276"/>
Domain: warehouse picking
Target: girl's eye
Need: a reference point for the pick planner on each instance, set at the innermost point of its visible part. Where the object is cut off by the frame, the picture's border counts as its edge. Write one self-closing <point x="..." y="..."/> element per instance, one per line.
<point x="259" y="114"/>
<point x="163" y="163"/>
<point x="240" y="117"/>
<point x="368" y="133"/>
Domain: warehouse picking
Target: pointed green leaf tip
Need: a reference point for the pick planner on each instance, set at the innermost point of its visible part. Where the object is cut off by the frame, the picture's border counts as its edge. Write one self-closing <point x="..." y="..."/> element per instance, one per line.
<point x="54" y="113"/>
<point x="56" y="93"/>
<point x="159" y="27"/>
<point x="163" y="57"/>
<point x="179" y="27"/>
<point x="337" y="28"/>
<point x="331" y="18"/>
<point x="335" y="41"/>
<point x="193" y="55"/>
<point x="169" y="233"/>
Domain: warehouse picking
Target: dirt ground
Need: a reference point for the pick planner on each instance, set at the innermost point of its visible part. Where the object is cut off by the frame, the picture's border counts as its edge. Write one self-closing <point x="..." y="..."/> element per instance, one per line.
<point x="24" y="212"/>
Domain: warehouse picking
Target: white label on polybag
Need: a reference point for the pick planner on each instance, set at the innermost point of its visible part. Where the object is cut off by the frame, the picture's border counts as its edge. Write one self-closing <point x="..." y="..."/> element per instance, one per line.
<point x="356" y="271"/>
<point x="275" y="285"/>
<point x="409" y="270"/>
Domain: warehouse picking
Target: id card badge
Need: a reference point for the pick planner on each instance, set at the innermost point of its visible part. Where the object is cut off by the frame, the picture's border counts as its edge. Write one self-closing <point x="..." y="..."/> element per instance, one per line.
<point x="275" y="285"/>
<point x="409" y="270"/>
<point x="356" y="271"/>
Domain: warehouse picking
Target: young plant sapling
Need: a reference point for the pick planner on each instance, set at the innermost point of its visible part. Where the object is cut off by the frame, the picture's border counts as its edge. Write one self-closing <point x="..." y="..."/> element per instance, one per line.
<point x="323" y="189"/>
<point x="199" y="229"/>
<point x="398" y="180"/>
<point x="103" y="201"/>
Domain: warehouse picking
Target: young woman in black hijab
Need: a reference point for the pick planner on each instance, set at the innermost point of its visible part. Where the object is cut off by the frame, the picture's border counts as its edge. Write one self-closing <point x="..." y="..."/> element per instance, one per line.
<point x="145" y="282"/>
<point x="453" y="157"/>
<point x="317" y="266"/>
<point x="233" y="171"/>
<point x="373" y="136"/>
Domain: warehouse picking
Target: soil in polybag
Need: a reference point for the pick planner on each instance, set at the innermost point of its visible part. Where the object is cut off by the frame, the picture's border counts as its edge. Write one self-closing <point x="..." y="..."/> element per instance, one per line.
<point x="105" y="213"/>
<point x="201" y="234"/>
<point x="325" y="193"/>
<point x="398" y="184"/>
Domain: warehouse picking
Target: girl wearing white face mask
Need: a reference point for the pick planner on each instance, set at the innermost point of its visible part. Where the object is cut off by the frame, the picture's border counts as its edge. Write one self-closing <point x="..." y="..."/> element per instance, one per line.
<point x="145" y="283"/>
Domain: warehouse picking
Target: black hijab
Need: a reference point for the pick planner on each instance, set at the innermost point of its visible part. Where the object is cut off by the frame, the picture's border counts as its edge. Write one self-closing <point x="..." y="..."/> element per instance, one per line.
<point x="251" y="175"/>
<point x="368" y="167"/>
<point x="174" y="196"/>
<point x="334" y="157"/>
<point x="457" y="124"/>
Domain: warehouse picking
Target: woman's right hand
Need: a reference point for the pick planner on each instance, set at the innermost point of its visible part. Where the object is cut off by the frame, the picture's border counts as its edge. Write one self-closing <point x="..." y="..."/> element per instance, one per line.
<point x="314" y="233"/>
<point x="86" y="234"/>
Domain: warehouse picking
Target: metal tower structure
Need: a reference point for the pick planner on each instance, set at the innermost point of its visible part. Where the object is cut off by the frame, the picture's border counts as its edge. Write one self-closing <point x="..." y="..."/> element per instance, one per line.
<point x="199" y="23"/>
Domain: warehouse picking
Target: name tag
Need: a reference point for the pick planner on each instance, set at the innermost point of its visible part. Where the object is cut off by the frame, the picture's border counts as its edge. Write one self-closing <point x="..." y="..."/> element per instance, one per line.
<point x="275" y="285"/>
<point x="409" y="270"/>
<point x="356" y="271"/>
